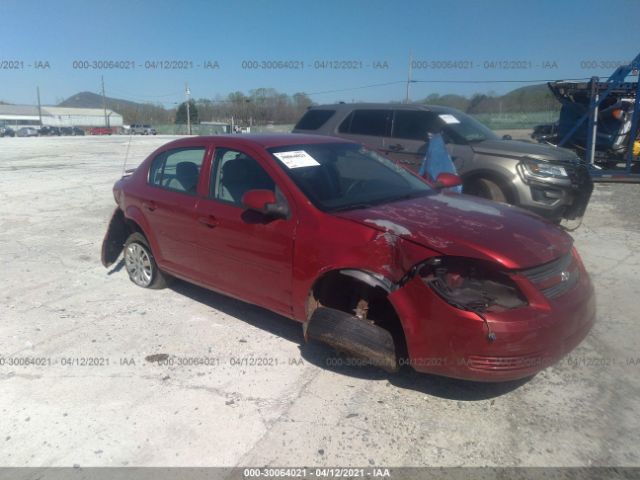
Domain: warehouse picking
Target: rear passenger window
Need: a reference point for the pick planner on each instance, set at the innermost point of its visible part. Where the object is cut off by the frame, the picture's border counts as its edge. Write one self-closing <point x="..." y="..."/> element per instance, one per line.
<point x="366" y="122"/>
<point x="177" y="170"/>
<point x="314" y="119"/>
<point x="415" y="125"/>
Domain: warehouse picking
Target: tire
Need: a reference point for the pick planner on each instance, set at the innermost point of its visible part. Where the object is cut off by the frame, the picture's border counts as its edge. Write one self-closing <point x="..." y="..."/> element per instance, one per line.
<point x="141" y="265"/>
<point x="485" y="188"/>
<point x="353" y="336"/>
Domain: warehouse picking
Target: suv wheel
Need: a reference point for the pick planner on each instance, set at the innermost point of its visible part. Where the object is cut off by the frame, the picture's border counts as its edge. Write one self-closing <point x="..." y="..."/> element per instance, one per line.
<point x="485" y="188"/>
<point x="140" y="264"/>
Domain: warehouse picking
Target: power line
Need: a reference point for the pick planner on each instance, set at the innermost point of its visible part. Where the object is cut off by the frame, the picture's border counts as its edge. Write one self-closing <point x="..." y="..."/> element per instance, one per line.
<point x="133" y="95"/>
<point x="540" y="80"/>
<point x="356" y="88"/>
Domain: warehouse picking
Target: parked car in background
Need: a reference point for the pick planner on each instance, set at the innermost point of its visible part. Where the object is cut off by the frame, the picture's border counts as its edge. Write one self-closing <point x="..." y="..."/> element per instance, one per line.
<point x="100" y="131"/>
<point x="71" y="131"/>
<point x="7" y="132"/>
<point x="27" y="132"/>
<point x="368" y="256"/>
<point x="49" y="131"/>
<point x="550" y="181"/>
<point x="139" y="129"/>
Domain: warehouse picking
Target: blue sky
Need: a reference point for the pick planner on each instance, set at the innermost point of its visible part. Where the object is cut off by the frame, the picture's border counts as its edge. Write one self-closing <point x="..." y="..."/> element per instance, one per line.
<point x="572" y="39"/>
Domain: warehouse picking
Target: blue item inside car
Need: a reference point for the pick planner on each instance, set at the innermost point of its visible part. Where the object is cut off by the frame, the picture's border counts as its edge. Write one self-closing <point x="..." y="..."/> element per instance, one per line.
<point x="437" y="160"/>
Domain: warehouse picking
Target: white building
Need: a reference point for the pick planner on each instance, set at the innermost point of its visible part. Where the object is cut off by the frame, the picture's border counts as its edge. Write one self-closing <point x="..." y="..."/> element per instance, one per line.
<point x="27" y="115"/>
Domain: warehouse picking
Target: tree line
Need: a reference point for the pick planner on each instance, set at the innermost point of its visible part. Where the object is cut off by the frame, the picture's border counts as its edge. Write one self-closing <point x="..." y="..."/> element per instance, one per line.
<point x="266" y="105"/>
<point x="257" y="107"/>
<point x="534" y="98"/>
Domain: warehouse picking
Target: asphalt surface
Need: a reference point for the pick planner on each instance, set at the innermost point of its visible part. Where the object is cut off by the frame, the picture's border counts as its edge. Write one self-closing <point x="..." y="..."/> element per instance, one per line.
<point x="239" y="387"/>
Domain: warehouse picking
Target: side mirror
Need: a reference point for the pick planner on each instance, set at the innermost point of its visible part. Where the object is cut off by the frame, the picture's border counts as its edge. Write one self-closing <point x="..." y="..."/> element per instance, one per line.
<point x="265" y="202"/>
<point x="507" y="137"/>
<point x="447" y="180"/>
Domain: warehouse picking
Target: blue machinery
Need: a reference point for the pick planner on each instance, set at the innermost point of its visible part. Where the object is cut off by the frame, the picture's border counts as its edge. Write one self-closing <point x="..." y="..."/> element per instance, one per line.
<point x="615" y="81"/>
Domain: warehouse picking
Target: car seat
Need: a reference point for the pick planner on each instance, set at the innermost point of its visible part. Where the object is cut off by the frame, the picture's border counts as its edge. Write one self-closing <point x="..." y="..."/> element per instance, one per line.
<point x="186" y="178"/>
<point x="241" y="175"/>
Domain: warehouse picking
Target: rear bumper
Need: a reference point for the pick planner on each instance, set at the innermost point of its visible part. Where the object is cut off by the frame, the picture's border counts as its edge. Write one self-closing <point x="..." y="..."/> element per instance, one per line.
<point x="446" y="341"/>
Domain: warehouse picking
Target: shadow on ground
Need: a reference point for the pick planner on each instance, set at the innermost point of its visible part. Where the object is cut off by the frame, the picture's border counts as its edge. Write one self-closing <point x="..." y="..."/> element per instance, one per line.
<point x="325" y="357"/>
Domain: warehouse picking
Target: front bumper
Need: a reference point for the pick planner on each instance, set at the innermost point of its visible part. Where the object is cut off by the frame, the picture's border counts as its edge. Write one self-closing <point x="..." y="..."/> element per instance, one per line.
<point x="444" y="340"/>
<point x="556" y="199"/>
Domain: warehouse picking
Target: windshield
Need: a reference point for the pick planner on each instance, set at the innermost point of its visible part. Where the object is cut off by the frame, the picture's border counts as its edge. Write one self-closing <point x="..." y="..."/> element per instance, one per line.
<point x="343" y="176"/>
<point x="465" y="129"/>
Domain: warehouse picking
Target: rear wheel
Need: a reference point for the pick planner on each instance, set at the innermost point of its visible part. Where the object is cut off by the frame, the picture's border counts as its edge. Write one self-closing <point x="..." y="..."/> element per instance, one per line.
<point x="485" y="188"/>
<point x="140" y="264"/>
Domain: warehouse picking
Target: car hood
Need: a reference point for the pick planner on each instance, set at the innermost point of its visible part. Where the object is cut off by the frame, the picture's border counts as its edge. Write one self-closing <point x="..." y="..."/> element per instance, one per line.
<point x="461" y="225"/>
<point x="520" y="149"/>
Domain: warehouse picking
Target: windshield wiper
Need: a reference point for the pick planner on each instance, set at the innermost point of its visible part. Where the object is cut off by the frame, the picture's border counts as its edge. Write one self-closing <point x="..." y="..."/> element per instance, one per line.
<point x="353" y="206"/>
<point x="407" y="196"/>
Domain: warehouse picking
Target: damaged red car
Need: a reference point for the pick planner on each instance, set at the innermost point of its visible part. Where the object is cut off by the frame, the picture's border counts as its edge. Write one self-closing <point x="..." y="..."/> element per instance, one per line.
<point x="370" y="258"/>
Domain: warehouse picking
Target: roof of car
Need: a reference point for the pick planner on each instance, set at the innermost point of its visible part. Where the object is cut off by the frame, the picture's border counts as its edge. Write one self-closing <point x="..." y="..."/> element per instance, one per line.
<point x="384" y="106"/>
<point x="261" y="140"/>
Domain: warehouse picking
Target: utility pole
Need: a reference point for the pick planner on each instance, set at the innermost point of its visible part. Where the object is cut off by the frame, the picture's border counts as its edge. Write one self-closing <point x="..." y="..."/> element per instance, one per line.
<point x="39" y="105"/>
<point x="406" y="100"/>
<point x="104" y="104"/>
<point x="187" y="92"/>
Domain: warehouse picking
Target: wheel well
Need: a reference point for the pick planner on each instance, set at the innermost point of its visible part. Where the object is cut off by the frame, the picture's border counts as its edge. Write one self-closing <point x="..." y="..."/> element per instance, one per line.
<point x="133" y="227"/>
<point x="361" y="299"/>
<point x="500" y="180"/>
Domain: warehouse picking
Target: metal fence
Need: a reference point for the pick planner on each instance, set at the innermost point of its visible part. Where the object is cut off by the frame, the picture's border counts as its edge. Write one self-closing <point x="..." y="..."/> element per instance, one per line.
<point x="515" y="121"/>
<point x="203" y="129"/>
<point x="495" y="121"/>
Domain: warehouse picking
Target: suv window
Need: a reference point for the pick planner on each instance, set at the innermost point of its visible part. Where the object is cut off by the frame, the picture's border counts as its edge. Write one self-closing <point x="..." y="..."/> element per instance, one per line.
<point x="178" y="169"/>
<point x="314" y="119"/>
<point x="236" y="173"/>
<point x="366" y="122"/>
<point x="415" y="125"/>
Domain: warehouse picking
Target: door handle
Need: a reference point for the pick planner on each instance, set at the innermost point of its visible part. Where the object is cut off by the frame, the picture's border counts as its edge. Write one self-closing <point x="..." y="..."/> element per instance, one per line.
<point x="396" y="147"/>
<point x="151" y="206"/>
<point x="209" y="221"/>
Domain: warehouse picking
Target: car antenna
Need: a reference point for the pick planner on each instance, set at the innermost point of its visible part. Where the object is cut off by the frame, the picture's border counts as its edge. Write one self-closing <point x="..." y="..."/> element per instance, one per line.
<point x="126" y="156"/>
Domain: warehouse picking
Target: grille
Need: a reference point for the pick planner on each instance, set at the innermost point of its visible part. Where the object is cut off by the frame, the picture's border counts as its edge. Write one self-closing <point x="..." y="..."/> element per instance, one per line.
<point x="555" y="278"/>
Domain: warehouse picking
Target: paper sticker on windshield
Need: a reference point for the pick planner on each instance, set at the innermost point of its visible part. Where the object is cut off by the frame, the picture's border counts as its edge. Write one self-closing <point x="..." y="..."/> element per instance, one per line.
<point x="297" y="159"/>
<point x="448" y="118"/>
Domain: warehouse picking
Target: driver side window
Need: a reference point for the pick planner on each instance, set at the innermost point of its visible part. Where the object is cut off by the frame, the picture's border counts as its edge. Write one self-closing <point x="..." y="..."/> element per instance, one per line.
<point x="234" y="174"/>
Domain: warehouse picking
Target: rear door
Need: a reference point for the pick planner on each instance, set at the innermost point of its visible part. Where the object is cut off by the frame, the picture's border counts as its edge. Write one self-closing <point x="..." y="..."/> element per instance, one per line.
<point x="367" y="126"/>
<point x="244" y="253"/>
<point x="169" y="205"/>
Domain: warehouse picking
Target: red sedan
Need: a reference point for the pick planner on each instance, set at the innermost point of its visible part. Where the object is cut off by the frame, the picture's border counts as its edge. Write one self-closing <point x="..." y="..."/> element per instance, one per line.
<point x="366" y="255"/>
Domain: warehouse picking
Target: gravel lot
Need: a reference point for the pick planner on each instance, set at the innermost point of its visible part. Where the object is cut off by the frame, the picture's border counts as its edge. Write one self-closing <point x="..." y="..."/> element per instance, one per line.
<point x="59" y="305"/>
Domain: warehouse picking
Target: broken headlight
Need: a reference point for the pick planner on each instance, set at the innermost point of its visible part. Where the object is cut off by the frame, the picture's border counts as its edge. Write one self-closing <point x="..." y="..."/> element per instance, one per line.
<point x="471" y="284"/>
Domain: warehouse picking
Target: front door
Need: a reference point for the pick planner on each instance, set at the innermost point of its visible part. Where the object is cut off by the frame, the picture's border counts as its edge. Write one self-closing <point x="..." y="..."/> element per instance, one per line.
<point x="244" y="253"/>
<point x="407" y="143"/>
